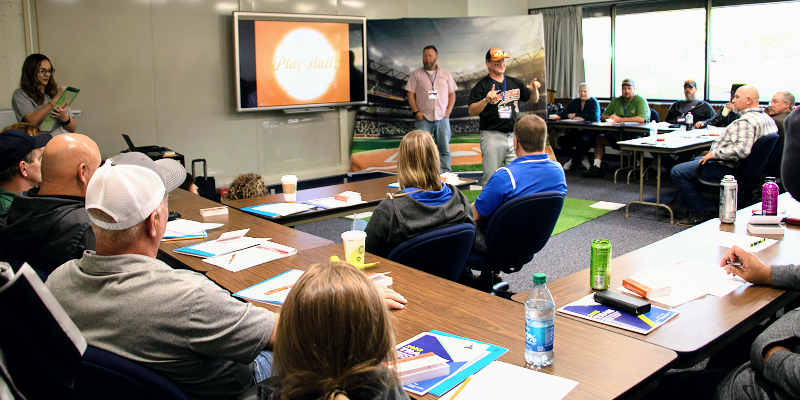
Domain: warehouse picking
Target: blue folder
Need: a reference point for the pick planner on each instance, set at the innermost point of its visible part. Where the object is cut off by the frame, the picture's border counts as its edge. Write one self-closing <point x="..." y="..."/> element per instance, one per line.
<point x="494" y="353"/>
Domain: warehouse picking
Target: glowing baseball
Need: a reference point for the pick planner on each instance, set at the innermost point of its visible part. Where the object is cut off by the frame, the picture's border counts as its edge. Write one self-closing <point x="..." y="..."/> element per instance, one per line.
<point x="305" y="64"/>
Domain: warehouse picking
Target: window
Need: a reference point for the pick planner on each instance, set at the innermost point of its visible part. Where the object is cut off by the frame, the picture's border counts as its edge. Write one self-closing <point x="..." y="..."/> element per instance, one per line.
<point x="597" y="55"/>
<point x="660" y="50"/>
<point x="754" y="44"/>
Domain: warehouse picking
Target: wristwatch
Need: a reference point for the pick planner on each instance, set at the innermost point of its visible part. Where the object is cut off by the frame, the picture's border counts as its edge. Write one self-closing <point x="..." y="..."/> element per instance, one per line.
<point x="65" y="123"/>
<point x="416" y="112"/>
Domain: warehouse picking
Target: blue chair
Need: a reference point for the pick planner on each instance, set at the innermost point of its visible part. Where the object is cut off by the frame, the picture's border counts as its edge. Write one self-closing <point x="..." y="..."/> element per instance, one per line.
<point x="105" y="375"/>
<point x="653" y="115"/>
<point x="441" y="251"/>
<point x="517" y="231"/>
<point x="749" y="169"/>
<point x="775" y="160"/>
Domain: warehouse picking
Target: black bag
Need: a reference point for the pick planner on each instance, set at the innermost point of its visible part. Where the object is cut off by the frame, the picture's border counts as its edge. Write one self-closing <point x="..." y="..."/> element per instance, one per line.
<point x="206" y="185"/>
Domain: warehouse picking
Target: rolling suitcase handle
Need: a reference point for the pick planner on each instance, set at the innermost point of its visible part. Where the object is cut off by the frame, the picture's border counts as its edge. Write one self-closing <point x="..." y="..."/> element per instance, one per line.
<point x="205" y="167"/>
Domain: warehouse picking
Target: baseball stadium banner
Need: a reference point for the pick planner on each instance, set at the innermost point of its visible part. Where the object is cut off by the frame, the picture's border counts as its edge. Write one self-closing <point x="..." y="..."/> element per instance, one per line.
<point x="395" y="51"/>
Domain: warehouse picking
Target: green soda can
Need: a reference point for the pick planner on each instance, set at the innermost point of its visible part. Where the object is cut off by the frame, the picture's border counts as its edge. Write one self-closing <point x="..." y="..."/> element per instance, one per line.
<point x="600" y="269"/>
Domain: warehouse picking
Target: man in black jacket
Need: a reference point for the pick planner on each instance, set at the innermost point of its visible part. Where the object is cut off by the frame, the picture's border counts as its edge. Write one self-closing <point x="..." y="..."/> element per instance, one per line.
<point x="48" y="226"/>
<point x="701" y="111"/>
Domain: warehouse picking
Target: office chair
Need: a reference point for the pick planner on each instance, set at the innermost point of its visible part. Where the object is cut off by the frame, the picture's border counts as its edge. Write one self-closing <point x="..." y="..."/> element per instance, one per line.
<point x="441" y="251"/>
<point x="748" y="170"/>
<point x="515" y="233"/>
<point x="653" y="116"/>
<point x="775" y="160"/>
<point x="105" y="375"/>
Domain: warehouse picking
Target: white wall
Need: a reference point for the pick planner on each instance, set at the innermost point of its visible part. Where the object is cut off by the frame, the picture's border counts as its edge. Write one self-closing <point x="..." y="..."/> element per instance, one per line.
<point x="162" y="72"/>
<point x="12" y="48"/>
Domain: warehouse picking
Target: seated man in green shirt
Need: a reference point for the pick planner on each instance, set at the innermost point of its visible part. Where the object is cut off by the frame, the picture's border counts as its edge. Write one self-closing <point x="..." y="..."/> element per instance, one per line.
<point x="629" y="107"/>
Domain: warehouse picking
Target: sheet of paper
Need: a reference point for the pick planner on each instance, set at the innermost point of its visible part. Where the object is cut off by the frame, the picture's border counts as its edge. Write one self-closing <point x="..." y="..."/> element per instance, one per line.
<point x="250" y="257"/>
<point x="283" y="208"/>
<point x="187" y="226"/>
<point x="753" y="244"/>
<point x="330" y="202"/>
<point x="212" y="247"/>
<point x="691" y="280"/>
<point x="232" y="235"/>
<point x="512" y="382"/>
<point x="605" y="205"/>
<point x="258" y="292"/>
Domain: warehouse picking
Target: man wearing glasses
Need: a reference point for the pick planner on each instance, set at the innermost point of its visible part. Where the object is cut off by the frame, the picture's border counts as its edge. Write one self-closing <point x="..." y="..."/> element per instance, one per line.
<point x="495" y="99"/>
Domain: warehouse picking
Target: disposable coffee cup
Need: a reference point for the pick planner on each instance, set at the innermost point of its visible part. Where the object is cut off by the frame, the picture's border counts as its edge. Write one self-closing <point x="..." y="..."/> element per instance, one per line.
<point x="354" y="242"/>
<point x="726" y="111"/>
<point x="289" y="183"/>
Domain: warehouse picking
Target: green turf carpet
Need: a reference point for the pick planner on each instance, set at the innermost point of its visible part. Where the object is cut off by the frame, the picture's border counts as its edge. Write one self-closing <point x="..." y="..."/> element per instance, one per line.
<point x="574" y="213"/>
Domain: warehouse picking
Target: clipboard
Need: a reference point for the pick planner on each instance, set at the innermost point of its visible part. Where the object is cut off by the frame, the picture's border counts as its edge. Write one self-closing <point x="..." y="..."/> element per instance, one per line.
<point x="49" y="122"/>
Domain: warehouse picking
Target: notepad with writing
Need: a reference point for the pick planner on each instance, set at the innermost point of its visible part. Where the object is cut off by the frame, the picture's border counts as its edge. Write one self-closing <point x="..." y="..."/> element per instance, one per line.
<point x="269" y="290"/>
<point x="238" y="260"/>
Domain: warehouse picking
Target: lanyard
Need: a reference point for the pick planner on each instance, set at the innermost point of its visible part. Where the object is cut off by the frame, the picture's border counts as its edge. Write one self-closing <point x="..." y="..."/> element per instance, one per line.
<point x="625" y="109"/>
<point x="502" y="96"/>
<point x="689" y="107"/>
<point x="432" y="79"/>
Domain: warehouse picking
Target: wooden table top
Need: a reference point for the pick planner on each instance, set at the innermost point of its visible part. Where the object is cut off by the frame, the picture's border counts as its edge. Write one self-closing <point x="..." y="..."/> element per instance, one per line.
<point x="606" y="364"/>
<point x="189" y="206"/>
<point x="707" y="324"/>
<point x="372" y="192"/>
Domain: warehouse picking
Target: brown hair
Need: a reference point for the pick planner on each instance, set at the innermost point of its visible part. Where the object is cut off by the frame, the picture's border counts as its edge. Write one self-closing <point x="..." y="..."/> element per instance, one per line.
<point x="30" y="129"/>
<point x="246" y="186"/>
<point x="531" y="132"/>
<point x="334" y="334"/>
<point x="418" y="162"/>
<point x="29" y="81"/>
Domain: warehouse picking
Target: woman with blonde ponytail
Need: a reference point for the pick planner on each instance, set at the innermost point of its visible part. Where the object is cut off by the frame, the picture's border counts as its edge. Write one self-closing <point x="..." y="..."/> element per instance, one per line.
<point x="333" y="339"/>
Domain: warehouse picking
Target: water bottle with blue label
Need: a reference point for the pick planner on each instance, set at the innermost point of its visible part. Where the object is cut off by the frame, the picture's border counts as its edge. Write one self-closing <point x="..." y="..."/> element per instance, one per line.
<point x="540" y="314"/>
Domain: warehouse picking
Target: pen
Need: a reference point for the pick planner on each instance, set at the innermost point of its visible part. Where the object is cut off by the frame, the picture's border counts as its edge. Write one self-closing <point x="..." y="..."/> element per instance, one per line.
<point x="273" y="291"/>
<point x="758" y="242"/>
<point x="232" y="257"/>
<point x="737" y="264"/>
<point x="460" y="388"/>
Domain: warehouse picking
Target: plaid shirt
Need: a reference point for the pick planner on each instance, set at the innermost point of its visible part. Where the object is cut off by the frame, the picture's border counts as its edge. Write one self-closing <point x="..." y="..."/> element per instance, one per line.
<point x="738" y="139"/>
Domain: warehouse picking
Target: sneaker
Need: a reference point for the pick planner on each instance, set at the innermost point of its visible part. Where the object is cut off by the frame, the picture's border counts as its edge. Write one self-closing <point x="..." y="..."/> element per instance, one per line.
<point x="593" y="172"/>
<point x="567" y="165"/>
<point x="585" y="163"/>
<point x="693" y="220"/>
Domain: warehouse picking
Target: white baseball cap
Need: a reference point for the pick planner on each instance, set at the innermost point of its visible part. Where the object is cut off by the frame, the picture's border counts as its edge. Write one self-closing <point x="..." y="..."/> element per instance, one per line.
<point x="129" y="187"/>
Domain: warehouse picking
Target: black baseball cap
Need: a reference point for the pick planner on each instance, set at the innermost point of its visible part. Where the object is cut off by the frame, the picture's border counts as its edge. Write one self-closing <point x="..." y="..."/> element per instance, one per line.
<point x="16" y="144"/>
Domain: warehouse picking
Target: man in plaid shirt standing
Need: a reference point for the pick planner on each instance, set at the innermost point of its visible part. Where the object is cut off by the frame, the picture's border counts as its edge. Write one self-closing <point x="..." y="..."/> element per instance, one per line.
<point x="733" y="145"/>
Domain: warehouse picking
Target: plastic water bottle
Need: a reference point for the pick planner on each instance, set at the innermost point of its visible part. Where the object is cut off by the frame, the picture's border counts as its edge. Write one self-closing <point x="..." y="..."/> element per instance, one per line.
<point x="689" y="121"/>
<point x="540" y="314"/>
<point x="769" y="197"/>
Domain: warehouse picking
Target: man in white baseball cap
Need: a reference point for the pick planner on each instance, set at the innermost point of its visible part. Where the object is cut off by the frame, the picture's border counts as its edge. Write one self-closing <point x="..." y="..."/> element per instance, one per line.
<point x="175" y="322"/>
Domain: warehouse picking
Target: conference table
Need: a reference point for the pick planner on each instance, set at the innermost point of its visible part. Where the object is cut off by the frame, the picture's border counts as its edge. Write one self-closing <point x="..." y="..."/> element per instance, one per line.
<point x="622" y="131"/>
<point x="606" y="365"/>
<point x="372" y="192"/>
<point x="669" y="143"/>
<point x="189" y="205"/>
<point x="709" y="323"/>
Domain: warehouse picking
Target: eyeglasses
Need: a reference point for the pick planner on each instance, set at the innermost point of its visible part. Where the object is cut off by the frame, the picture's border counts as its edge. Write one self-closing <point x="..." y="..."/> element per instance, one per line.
<point x="44" y="72"/>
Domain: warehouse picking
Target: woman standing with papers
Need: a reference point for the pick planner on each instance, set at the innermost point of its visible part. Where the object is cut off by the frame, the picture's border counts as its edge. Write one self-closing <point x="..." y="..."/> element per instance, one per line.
<point x="422" y="204"/>
<point x="333" y="337"/>
<point x="35" y="99"/>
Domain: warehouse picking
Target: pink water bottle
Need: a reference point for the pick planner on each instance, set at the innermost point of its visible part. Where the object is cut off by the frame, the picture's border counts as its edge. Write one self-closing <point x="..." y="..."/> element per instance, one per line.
<point x="769" y="197"/>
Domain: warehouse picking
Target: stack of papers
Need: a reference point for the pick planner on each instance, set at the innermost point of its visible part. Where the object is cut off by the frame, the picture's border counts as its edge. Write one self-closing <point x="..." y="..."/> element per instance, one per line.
<point x="463" y="356"/>
<point x="517" y="383"/>
<point x="274" y="290"/>
<point x="187" y="229"/>
<point x="691" y="280"/>
<point x="278" y="209"/>
<point x="344" y="199"/>
<point x="262" y="253"/>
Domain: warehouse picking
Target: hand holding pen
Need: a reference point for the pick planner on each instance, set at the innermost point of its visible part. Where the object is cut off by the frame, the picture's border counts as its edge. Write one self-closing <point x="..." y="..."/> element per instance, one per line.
<point x="747" y="266"/>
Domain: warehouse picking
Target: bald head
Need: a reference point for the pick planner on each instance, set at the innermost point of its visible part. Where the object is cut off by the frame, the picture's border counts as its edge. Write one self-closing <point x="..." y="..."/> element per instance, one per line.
<point x="745" y="97"/>
<point x="68" y="162"/>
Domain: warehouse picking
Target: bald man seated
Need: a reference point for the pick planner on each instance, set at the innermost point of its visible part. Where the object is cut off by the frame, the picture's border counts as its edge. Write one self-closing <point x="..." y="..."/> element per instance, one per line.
<point x="733" y="145"/>
<point x="48" y="226"/>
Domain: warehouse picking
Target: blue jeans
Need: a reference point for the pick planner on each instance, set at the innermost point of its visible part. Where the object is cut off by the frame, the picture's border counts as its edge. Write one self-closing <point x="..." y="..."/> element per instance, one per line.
<point x="684" y="176"/>
<point x="262" y="366"/>
<point x="440" y="130"/>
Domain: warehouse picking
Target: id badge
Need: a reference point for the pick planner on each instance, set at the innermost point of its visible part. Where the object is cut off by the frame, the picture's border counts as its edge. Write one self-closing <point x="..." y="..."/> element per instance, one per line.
<point x="504" y="111"/>
<point x="433" y="94"/>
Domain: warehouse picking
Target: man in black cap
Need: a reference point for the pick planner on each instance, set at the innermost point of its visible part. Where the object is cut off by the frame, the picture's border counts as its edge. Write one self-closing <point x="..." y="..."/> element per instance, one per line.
<point x="701" y="111"/>
<point x="20" y="163"/>
<point x="725" y="116"/>
<point x="495" y="98"/>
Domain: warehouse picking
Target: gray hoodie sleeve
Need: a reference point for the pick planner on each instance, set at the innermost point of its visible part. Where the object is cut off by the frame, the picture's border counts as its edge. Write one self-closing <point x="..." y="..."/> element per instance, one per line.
<point x="783" y="367"/>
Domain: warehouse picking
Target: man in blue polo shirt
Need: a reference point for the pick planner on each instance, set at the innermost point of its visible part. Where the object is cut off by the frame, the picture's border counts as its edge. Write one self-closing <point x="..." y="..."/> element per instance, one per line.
<point x="531" y="172"/>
